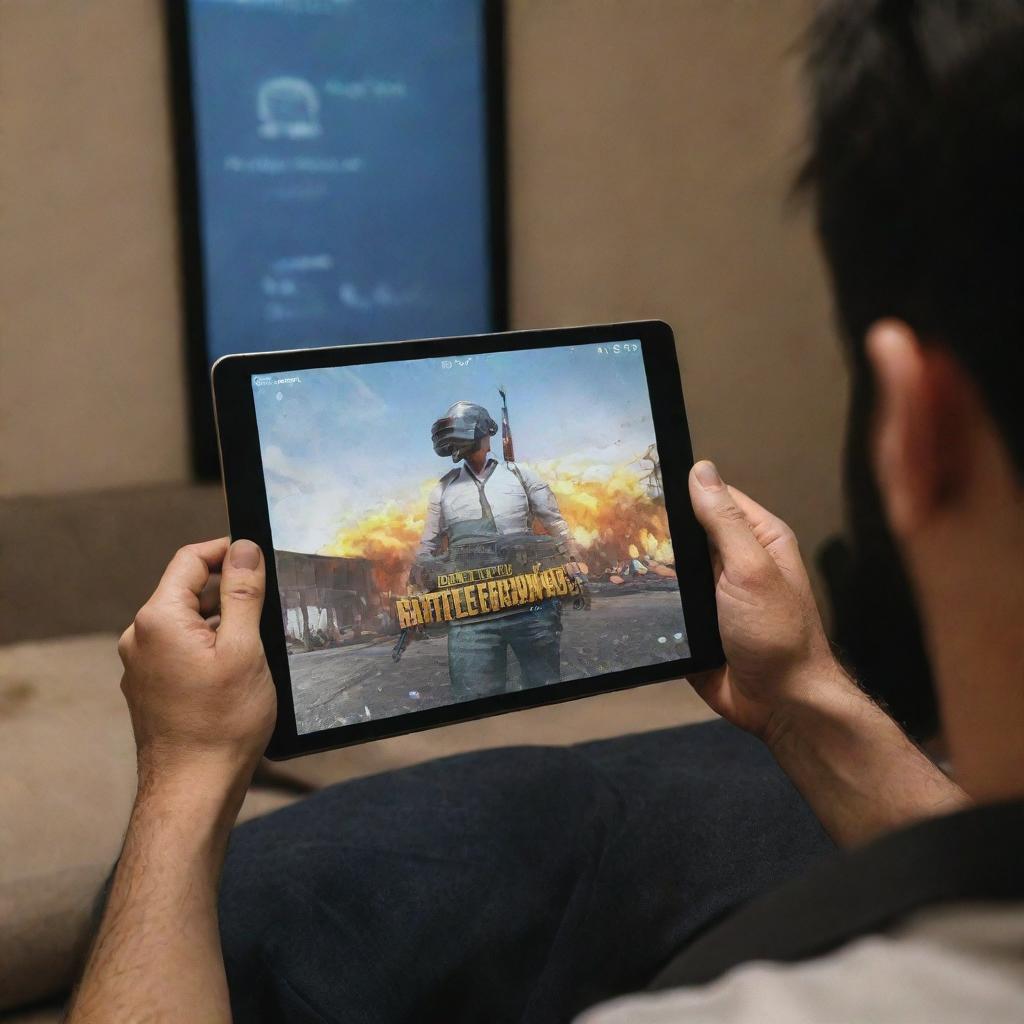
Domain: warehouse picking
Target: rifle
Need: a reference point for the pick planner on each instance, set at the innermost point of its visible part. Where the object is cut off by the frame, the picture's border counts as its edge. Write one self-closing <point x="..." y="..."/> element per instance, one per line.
<point x="400" y="645"/>
<point x="408" y="633"/>
<point x="507" y="448"/>
<point x="509" y="453"/>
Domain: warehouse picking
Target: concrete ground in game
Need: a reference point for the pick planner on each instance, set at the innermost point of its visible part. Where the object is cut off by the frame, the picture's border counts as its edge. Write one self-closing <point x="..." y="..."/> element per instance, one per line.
<point x="622" y="628"/>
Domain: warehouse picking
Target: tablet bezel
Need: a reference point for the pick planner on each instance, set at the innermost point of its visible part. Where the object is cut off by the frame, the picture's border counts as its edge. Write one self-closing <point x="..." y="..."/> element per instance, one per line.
<point x="249" y="517"/>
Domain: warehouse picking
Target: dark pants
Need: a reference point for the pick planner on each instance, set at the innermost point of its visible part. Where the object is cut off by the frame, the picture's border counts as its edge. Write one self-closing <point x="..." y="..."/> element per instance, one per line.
<point x="521" y="884"/>
<point x="478" y="651"/>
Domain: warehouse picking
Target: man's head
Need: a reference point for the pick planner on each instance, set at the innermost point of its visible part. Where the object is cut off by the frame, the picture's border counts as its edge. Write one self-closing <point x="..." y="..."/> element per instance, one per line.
<point x="916" y="169"/>
<point x="465" y="428"/>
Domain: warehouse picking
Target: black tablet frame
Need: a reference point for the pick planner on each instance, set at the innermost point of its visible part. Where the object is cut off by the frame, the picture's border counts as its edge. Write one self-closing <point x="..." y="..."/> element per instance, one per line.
<point x="249" y="516"/>
<point x="203" y="443"/>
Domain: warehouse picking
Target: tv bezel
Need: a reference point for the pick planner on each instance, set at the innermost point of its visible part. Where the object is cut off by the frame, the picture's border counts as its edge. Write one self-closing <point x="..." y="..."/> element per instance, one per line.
<point x="203" y="440"/>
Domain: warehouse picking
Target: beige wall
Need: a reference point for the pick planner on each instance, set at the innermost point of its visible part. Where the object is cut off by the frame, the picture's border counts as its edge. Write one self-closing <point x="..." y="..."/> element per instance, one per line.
<point x="91" y="365"/>
<point x="651" y="146"/>
<point x="653" y="142"/>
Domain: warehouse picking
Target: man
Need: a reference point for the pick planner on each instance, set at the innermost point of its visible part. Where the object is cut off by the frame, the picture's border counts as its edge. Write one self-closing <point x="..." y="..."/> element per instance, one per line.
<point x="592" y="873"/>
<point x="473" y="505"/>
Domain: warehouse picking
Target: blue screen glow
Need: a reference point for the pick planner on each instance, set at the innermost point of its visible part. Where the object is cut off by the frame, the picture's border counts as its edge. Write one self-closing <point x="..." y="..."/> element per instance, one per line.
<point x="342" y="170"/>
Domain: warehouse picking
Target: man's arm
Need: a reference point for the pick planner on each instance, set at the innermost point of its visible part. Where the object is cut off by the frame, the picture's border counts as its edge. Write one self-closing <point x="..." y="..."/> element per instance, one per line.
<point x="544" y="505"/>
<point x="856" y="767"/>
<point x="430" y="539"/>
<point x="202" y="706"/>
<point x="157" y="954"/>
<point x="852" y="763"/>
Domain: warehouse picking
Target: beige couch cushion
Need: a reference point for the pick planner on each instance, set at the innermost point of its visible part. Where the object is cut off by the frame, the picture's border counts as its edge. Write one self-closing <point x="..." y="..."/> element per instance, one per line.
<point x="123" y="538"/>
<point x="67" y="781"/>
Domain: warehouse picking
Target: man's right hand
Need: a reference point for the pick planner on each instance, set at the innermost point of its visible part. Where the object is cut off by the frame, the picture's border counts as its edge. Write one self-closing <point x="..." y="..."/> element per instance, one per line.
<point x="777" y="654"/>
<point x="852" y="763"/>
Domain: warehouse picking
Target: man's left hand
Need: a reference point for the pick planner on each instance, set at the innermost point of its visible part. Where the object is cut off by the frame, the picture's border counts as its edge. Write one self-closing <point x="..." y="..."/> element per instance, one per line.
<point x="197" y="682"/>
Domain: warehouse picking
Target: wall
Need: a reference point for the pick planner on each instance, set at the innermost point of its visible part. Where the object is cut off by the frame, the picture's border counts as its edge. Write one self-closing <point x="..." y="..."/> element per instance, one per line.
<point x="91" y="364"/>
<point x="654" y="142"/>
<point x="651" y="145"/>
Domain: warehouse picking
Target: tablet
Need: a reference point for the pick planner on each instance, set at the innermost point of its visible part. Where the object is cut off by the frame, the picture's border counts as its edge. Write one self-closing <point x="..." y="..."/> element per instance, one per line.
<point x="458" y="527"/>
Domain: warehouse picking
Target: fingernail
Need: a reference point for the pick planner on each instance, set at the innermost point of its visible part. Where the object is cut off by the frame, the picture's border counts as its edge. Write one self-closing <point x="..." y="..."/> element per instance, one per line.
<point x="245" y="555"/>
<point x="707" y="475"/>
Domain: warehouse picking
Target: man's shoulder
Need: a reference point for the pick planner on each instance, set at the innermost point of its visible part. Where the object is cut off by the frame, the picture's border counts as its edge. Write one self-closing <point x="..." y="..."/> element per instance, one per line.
<point x="524" y="471"/>
<point x="954" y="964"/>
<point x="449" y="478"/>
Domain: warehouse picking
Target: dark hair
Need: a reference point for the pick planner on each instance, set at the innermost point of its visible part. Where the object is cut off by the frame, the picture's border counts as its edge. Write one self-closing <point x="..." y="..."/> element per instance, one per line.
<point x="916" y="167"/>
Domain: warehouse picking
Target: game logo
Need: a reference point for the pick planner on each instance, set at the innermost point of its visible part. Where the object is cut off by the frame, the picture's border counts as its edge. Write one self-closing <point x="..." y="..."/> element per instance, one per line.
<point x="451" y="529"/>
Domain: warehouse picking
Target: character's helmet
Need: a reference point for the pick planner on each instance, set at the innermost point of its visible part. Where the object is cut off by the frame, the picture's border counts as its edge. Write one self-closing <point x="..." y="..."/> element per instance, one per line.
<point x="461" y="429"/>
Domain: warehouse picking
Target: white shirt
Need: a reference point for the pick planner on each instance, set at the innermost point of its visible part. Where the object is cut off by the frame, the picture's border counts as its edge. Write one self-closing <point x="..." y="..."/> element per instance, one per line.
<point x="961" y="964"/>
<point x="458" y="500"/>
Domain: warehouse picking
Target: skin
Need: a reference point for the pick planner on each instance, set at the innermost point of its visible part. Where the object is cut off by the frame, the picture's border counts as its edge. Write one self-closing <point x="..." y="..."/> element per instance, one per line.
<point x="955" y="501"/>
<point x="852" y="763"/>
<point x="203" y="705"/>
<point x="477" y="458"/>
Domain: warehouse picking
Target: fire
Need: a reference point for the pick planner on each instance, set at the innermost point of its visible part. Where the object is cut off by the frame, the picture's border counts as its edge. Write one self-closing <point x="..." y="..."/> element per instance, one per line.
<point x="610" y="511"/>
<point x="611" y="515"/>
<point x="388" y="538"/>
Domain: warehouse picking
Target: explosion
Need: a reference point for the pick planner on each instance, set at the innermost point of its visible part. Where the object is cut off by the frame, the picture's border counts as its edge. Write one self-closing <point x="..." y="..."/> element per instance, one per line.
<point x="388" y="538"/>
<point x="610" y="511"/>
<point x="612" y="516"/>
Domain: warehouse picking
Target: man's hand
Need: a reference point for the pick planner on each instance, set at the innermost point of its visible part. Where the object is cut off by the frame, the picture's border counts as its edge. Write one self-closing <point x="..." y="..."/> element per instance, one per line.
<point x="776" y="650"/>
<point x="852" y="763"/>
<point x="197" y="683"/>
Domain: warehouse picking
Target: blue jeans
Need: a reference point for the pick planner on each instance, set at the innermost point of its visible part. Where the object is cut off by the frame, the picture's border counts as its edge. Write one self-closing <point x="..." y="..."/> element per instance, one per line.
<point x="478" y="651"/>
<point x="522" y="884"/>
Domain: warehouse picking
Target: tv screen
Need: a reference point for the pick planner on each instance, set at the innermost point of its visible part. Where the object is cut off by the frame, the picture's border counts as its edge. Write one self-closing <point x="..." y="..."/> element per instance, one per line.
<point x="340" y="175"/>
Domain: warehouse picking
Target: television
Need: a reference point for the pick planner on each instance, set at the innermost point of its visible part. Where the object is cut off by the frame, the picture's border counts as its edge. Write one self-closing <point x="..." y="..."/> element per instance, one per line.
<point x="340" y="173"/>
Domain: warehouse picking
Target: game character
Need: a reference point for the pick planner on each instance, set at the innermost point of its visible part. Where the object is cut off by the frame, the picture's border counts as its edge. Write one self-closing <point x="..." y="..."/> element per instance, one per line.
<point x="484" y="498"/>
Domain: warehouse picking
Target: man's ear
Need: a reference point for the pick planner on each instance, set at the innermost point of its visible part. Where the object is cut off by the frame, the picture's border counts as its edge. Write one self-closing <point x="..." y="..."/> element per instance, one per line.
<point x="921" y="424"/>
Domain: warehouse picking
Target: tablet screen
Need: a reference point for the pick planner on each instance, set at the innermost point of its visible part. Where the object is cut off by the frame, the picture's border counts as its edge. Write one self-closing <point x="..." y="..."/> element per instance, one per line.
<point x="448" y="529"/>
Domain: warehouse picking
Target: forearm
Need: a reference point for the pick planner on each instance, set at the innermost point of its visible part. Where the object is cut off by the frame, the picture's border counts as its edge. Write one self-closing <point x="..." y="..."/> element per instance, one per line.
<point x="856" y="768"/>
<point x="157" y="954"/>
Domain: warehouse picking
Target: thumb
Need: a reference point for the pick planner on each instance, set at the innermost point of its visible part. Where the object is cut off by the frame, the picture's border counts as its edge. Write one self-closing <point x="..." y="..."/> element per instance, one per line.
<point x="723" y="520"/>
<point x="242" y="585"/>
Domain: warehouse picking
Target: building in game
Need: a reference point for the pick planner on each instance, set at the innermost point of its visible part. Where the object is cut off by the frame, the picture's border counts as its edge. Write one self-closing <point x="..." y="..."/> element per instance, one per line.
<point x="325" y="600"/>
